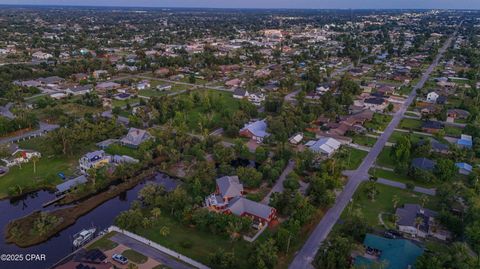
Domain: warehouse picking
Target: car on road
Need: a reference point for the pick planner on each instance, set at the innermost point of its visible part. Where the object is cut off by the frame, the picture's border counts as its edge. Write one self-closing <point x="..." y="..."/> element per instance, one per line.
<point x="119" y="258"/>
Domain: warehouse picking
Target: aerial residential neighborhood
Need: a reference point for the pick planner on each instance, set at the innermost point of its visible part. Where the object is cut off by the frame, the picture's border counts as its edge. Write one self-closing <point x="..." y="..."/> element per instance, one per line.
<point x="222" y="135"/>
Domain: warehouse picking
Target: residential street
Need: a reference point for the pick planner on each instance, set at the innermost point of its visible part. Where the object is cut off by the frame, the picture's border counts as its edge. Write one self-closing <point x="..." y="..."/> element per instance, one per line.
<point x="305" y="256"/>
<point x="151" y="252"/>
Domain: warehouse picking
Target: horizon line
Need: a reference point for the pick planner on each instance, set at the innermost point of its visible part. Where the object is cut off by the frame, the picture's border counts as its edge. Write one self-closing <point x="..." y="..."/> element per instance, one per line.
<point x="233" y="8"/>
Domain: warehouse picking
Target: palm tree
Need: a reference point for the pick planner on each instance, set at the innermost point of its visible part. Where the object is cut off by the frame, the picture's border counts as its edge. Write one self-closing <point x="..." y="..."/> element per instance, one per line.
<point x="418" y="222"/>
<point x="164" y="231"/>
<point x="395" y="219"/>
<point x="423" y="200"/>
<point x="146" y="222"/>
<point x="35" y="159"/>
<point x="156" y="212"/>
<point x="395" y="201"/>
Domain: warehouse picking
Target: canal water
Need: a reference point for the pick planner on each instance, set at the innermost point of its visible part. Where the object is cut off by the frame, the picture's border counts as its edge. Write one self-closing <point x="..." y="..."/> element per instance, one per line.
<point x="60" y="245"/>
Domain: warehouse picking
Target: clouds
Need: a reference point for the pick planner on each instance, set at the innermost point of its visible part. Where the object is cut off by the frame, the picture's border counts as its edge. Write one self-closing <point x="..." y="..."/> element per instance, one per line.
<point x="355" y="4"/>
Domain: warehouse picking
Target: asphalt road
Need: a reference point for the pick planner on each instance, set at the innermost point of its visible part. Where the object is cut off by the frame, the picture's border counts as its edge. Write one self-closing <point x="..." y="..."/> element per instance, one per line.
<point x="151" y="252"/>
<point x="306" y="255"/>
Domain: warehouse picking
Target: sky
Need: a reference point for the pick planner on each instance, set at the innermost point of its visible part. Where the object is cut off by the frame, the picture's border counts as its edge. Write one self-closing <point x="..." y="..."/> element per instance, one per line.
<point x="320" y="4"/>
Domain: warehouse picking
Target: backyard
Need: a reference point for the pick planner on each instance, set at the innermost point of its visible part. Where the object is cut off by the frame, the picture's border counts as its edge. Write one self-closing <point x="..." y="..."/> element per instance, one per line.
<point x="193" y="243"/>
<point x="383" y="202"/>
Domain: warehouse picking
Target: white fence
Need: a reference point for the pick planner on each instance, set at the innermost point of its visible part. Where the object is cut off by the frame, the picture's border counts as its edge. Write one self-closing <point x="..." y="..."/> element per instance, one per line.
<point x="159" y="247"/>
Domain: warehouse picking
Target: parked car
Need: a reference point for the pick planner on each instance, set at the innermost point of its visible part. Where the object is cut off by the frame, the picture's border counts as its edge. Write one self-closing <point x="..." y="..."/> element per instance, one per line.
<point x="120" y="258"/>
<point x="389" y="235"/>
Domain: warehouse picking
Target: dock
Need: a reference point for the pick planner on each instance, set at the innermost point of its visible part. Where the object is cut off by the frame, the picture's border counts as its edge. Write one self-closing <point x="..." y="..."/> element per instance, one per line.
<point x="51" y="202"/>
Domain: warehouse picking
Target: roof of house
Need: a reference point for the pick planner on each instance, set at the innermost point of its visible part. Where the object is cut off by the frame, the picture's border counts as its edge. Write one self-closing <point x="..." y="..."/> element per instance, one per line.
<point x="257" y="128"/>
<point x="408" y="214"/>
<point x="375" y="101"/>
<point x="135" y="136"/>
<point x="94" y="155"/>
<point x="326" y="145"/>
<point x="435" y="144"/>
<point x="229" y="186"/>
<point x="398" y="253"/>
<point x="67" y="185"/>
<point x="240" y="92"/>
<point x="465" y="166"/>
<point x="423" y="164"/>
<point x="80" y="88"/>
<point x="107" y="84"/>
<point x="460" y="112"/>
<point x="432" y="124"/>
<point x="240" y="205"/>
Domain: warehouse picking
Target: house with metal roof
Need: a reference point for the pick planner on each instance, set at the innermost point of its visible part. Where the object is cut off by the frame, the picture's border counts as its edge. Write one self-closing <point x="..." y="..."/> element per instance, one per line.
<point x="326" y="146"/>
<point x="395" y="253"/>
<point x="135" y="137"/>
<point x="465" y="141"/>
<point x="70" y="184"/>
<point x="256" y="130"/>
<point x="464" y="168"/>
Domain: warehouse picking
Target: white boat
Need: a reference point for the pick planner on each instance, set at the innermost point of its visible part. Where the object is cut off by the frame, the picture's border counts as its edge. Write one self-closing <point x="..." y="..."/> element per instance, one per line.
<point x="85" y="235"/>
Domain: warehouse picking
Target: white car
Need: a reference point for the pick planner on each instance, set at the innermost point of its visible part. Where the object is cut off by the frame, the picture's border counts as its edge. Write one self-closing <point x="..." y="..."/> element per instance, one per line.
<point x="119" y="258"/>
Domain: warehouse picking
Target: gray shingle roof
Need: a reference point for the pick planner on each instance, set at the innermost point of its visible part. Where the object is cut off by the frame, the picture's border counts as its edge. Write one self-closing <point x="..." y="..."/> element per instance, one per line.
<point x="229" y="186"/>
<point x="239" y="205"/>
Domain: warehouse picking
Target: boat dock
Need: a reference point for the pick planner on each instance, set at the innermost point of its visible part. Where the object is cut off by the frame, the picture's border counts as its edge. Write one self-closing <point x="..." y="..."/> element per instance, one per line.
<point x="51" y="202"/>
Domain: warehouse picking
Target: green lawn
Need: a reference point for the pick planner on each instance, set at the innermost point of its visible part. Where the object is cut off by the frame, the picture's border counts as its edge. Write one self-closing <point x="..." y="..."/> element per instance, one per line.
<point x="398" y="177"/>
<point x="453" y="131"/>
<point x="414" y="137"/>
<point x="134" y="256"/>
<point x="23" y="178"/>
<point x="410" y="124"/>
<point x="104" y="243"/>
<point x="223" y="99"/>
<point x="352" y="158"/>
<point x="122" y="103"/>
<point x="383" y="202"/>
<point x="116" y="149"/>
<point x="152" y="92"/>
<point x="378" y="122"/>
<point x="194" y="243"/>
<point x="364" y="140"/>
<point x="384" y="158"/>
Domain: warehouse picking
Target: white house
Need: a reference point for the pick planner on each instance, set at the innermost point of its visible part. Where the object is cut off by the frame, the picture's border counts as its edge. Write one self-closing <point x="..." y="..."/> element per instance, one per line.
<point x="326" y="146"/>
<point x="19" y="156"/>
<point x="432" y="97"/>
<point x="95" y="160"/>
<point x="42" y="55"/>
<point x="79" y="90"/>
<point x="144" y="84"/>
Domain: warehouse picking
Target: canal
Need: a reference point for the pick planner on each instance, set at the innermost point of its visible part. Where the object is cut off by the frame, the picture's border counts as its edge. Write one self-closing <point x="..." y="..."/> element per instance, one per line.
<point x="60" y="245"/>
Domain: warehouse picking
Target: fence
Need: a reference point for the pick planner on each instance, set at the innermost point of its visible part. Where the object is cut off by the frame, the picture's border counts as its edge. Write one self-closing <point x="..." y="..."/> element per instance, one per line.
<point x="159" y="247"/>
